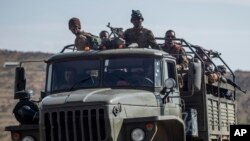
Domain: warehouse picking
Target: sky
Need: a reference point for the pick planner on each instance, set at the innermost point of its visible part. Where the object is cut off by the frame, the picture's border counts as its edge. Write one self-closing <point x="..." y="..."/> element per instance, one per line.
<point x="219" y="25"/>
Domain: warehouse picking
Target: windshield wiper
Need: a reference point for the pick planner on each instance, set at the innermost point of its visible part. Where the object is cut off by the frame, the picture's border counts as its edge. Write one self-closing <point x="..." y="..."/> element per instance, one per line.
<point x="80" y="82"/>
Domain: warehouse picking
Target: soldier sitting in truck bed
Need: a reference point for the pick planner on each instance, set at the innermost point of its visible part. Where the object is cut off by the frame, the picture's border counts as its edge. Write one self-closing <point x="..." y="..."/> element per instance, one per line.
<point x="212" y="74"/>
<point x="84" y="40"/>
<point x="175" y="49"/>
<point x="105" y="41"/>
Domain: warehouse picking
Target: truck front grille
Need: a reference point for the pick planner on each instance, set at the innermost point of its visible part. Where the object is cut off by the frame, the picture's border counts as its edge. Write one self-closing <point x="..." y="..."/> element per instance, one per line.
<point x="75" y="125"/>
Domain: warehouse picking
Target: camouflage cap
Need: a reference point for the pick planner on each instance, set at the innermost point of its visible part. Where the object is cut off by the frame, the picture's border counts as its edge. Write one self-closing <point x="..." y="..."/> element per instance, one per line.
<point x="74" y="21"/>
<point x="136" y="14"/>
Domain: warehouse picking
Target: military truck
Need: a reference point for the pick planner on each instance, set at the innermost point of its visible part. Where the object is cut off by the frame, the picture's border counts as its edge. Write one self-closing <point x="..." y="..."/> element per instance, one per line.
<point x="130" y="94"/>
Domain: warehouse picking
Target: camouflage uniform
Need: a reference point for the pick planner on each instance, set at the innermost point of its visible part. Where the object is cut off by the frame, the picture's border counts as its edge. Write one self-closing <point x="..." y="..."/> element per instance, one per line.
<point x="179" y="53"/>
<point x="142" y="36"/>
<point x="118" y="43"/>
<point x="105" y="41"/>
<point x="84" y="40"/>
<point x="213" y="76"/>
<point x="105" y="44"/>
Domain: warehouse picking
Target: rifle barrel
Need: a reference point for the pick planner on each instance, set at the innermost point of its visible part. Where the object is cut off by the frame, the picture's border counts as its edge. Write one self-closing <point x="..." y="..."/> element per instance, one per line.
<point x="236" y="86"/>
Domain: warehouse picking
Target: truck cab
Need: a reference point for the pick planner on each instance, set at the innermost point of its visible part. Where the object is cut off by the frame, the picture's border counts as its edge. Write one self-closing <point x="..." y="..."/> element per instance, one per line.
<point x="117" y="94"/>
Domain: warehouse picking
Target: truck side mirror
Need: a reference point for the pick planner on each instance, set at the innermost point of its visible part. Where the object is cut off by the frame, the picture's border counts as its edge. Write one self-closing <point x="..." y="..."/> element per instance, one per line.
<point x="22" y="95"/>
<point x="193" y="78"/>
<point x="197" y="73"/>
<point x="20" y="82"/>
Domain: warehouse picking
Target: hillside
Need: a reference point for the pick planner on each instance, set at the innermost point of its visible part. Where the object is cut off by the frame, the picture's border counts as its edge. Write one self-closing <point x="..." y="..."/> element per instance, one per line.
<point x="35" y="80"/>
<point x="35" y="70"/>
<point x="243" y="100"/>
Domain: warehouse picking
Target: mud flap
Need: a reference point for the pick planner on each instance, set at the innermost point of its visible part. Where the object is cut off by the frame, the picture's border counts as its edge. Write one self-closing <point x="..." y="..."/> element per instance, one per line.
<point x="191" y="125"/>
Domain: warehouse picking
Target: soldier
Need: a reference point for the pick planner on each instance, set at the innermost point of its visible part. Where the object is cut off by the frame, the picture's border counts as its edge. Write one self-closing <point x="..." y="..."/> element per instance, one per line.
<point x="118" y="43"/>
<point x="105" y="41"/>
<point x="69" y="76"/>
<point x="142" y="36"/>
<point x="104" y="34"/>
<point x="84" y="40"/>
<point x="176" y="50"/>
<point x="204" y="54"/>
<point x="213" y="75"/>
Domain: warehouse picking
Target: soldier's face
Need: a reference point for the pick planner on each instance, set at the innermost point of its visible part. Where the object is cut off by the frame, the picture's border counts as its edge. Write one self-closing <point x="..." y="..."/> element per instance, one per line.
<point x="137" y="22"/>
<point x="69" y="76"/>
<point x="75" y="29"/>
<point x="104" y="36"/>
<point x="169" y="37"/>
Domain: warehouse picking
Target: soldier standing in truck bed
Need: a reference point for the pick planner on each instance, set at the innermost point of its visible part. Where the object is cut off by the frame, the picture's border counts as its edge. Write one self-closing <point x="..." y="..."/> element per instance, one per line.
<point x="142" y="36"/>
<point x="84" y="40"/>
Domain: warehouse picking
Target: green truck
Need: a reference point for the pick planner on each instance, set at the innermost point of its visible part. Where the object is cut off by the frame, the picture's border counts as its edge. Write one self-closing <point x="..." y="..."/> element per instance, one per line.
<point x="131" y="94"/>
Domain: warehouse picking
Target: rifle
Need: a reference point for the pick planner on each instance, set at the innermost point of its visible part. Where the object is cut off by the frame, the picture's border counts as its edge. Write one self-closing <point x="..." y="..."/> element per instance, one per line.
<point x="235" y="85"/>
<point x="215" y="54"/>
<point x="222" y="71"/>
<point x="116" y="31"/>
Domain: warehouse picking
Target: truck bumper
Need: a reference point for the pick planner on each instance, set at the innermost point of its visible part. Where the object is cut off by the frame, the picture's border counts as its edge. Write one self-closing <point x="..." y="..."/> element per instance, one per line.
<point x="158" y="128"/>
<point x="21" y="131"/>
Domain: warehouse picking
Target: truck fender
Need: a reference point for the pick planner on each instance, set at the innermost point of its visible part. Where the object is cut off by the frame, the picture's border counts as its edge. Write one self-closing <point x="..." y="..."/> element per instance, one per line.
<point x="170" y="128"/>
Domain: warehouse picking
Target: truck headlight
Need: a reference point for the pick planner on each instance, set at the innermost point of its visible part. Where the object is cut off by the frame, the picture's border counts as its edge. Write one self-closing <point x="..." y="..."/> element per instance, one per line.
<point x="137" y="134"/>
<point x="28" y="138"/>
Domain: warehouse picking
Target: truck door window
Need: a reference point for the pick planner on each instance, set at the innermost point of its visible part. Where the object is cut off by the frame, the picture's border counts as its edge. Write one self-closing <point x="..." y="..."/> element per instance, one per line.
<point x="49" y="77"/>
<point x="170" y="70"/>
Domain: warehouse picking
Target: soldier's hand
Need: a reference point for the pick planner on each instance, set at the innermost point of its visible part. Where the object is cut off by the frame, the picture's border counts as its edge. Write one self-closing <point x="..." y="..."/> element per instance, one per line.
<point x="178" y="67"/>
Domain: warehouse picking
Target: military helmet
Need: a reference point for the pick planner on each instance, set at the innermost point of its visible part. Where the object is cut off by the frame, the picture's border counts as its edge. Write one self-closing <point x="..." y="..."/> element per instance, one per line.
<point x="222" y="69"/>
<point x="136" y="14"/>
<point x="74" y="21"/>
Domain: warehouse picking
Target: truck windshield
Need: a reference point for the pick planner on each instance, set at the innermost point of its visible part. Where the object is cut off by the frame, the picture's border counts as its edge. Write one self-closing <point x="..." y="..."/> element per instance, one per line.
<point x="117" y="72"/>
<point x="75" y="74"/>
<point x="132" y="72"/>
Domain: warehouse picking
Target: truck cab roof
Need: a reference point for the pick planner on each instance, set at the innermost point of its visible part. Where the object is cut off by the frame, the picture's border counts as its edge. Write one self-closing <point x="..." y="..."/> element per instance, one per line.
<point x="108" y="53"/>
